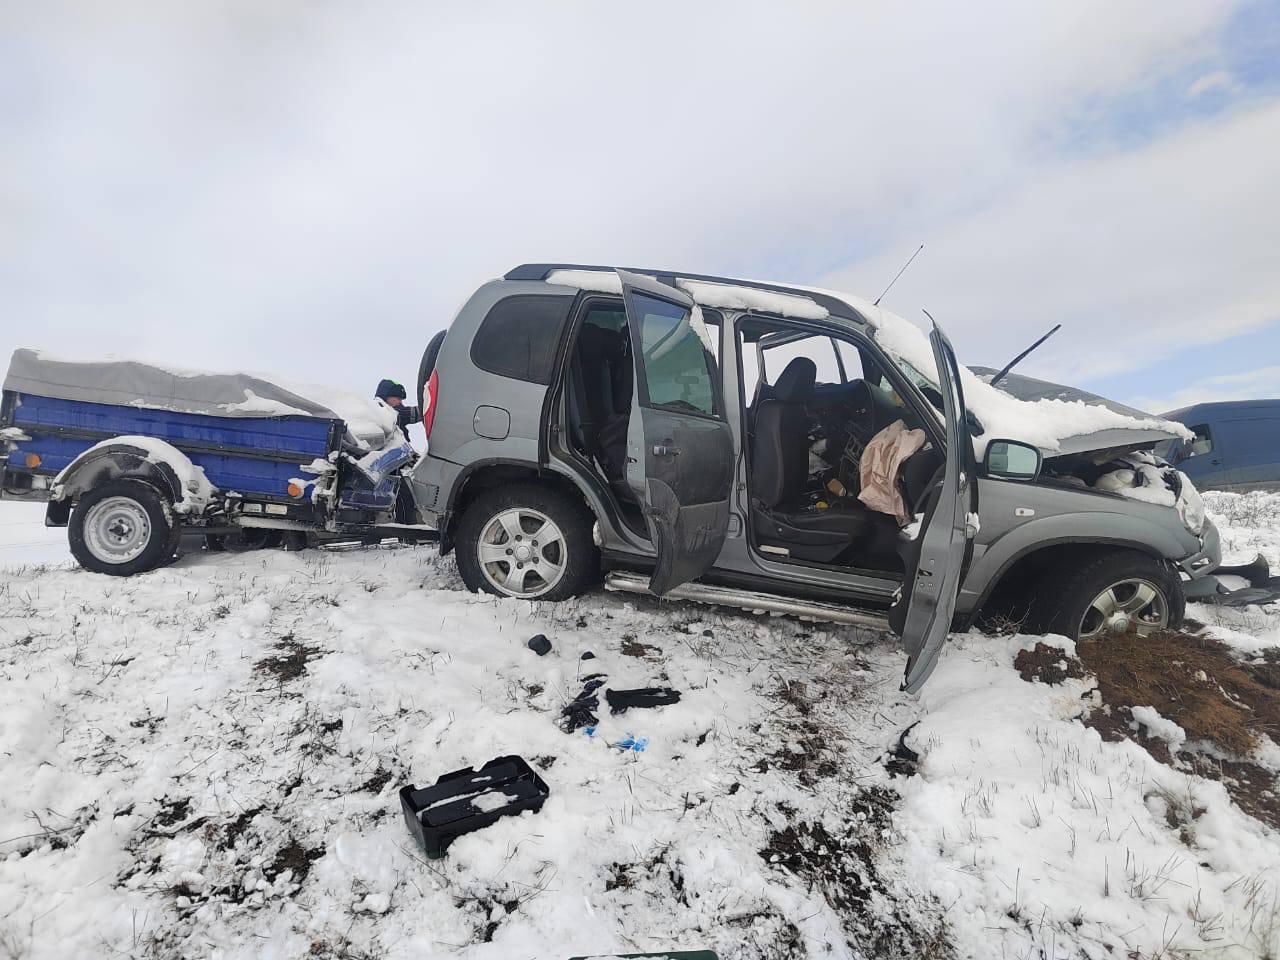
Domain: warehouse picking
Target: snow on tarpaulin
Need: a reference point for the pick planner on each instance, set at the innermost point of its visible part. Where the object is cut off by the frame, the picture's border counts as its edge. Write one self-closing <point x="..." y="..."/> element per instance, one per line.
<point x="133" y="383"/>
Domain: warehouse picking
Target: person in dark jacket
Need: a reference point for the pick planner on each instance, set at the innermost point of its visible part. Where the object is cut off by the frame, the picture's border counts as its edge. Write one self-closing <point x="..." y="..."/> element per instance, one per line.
<point x="393" y="394"/>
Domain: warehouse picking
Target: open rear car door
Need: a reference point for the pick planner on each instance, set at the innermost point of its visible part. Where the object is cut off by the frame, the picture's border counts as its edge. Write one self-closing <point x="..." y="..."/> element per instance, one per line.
<point x="935" y="561"/>
<point x="679" y="448"/>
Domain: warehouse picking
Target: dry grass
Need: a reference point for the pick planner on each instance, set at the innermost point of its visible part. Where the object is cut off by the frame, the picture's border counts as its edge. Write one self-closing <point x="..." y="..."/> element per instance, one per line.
<point x="1192" y="680"/>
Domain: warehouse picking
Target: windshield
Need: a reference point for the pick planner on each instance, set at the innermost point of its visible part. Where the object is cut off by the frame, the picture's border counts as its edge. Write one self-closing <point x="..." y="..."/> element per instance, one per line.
<point x="915" y="376"/>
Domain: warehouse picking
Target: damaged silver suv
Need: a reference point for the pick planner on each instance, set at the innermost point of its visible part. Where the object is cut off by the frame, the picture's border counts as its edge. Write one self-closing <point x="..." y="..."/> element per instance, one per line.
<point x="708" y="439"/>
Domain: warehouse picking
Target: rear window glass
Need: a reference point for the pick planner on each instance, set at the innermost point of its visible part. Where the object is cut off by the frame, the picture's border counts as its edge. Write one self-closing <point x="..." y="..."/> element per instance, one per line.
<point x="520" y="335"/>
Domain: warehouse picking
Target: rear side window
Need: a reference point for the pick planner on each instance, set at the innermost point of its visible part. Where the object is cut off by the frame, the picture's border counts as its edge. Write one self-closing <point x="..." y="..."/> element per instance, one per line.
<point x="1202" y="443"/>
<point x="520" y="335"/>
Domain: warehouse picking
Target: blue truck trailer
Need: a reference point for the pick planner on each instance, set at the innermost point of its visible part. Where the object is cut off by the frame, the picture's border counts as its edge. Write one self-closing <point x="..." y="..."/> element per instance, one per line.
<point x="130" y="457"/>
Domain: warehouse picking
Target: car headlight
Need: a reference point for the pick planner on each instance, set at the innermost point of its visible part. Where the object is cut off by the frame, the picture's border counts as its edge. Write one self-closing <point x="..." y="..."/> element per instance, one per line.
<point x="1189" y="505"/>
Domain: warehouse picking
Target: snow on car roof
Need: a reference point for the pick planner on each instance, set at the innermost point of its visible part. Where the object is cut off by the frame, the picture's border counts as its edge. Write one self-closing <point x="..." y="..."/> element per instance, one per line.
<point x="1054" y="425"/>
<point x="1050" y="423"/>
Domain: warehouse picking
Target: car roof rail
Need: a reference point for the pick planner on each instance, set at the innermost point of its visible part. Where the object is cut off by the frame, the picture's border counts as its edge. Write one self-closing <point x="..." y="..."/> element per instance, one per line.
<point x="834" y="305"/>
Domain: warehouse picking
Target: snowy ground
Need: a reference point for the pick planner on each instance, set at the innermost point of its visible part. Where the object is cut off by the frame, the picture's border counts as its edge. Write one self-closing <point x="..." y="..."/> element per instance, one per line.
<point x="204" y="761"/>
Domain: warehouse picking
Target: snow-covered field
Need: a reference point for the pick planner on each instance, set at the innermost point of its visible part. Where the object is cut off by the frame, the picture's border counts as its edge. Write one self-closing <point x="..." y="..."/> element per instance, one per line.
<point x="203" y="762"/>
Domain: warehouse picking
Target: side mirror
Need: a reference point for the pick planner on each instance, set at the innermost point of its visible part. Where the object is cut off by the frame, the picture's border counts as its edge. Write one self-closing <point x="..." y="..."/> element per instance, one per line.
<point x="1012" y="460"/>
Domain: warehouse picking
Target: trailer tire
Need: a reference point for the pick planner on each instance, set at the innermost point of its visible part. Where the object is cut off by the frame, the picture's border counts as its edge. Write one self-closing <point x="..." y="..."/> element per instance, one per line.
<point x="121" y="528"/>
<point x="559" y="567"/>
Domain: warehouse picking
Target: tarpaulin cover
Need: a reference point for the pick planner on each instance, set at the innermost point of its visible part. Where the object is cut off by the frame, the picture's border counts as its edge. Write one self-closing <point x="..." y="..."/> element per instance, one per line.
<point x="136" y="384"/>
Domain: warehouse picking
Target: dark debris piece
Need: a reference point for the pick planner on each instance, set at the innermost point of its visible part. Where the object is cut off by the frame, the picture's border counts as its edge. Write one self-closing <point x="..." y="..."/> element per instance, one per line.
<point x="622" y="700"/>
<point x="581" y="711"/>
<point x="539" y="644"/>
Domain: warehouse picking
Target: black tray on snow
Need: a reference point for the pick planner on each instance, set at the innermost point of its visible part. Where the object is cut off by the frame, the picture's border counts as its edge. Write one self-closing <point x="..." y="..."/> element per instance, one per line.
<point x="437" y="814"/>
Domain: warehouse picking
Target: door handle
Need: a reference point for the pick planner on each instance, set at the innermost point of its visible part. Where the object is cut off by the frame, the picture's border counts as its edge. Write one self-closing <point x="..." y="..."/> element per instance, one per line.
<point x="661" y="450"/>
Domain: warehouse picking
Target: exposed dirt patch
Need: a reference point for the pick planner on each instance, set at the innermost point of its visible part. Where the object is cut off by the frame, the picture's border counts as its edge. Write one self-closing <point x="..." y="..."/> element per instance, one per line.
<point x="1196" y="682"/>
<point x="290" y="664"/>
<point x="841" y="866"/>
<point x="1192" y="680"/>
<point x="295" y="857"/>
<point x="796" y="693"/>
<point x="1254" y="788"/>
<point x="381" y="777"/>
<point x="631" y="647"/>
<point x="619" y="877"/>
<point x="1047" y="664"/>
<point x="173" y="811"/>
<point x="235" y="828"/>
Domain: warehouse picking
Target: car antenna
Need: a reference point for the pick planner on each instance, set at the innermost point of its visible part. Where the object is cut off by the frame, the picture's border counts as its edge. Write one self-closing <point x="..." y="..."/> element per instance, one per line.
<point x="898" y="274"/>
<point x="1018" y="359"/>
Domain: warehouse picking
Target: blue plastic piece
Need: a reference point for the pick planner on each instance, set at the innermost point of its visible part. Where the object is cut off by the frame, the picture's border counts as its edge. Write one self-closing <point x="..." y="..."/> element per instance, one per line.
<point x="634" y="744"/>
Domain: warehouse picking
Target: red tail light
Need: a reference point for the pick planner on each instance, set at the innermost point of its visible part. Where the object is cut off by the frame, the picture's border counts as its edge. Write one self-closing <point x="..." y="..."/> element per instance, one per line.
<point x="429" y="402"/>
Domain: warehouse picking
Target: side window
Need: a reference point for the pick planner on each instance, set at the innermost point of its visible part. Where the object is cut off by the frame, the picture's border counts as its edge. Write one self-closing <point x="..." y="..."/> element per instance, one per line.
<point x="850" y="360"/>
<point x="678" y="365"/>
<point x="1202" y="443"/>
<point x="520" y="335"/>
<point x="751" y="362"/>
<point x="817" y="347"/>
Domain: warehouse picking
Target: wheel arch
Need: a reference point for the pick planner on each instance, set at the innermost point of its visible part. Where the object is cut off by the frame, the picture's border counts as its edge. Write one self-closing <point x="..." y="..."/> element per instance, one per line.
<point x="487" y="474"/>
<point x="116" y="460"/>
<point x="1019" y="572"/>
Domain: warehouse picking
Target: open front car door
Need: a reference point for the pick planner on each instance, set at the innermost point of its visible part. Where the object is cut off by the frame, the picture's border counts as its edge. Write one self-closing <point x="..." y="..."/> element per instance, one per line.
<point x="934" y="562"/>
<point x="679" y="448"/>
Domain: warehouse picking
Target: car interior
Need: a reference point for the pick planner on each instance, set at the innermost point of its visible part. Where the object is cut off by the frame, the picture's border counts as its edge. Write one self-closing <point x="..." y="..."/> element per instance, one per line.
<point x="598" y="394"/>
<point x="812" y="403"/>
<point x="598" y="399"/>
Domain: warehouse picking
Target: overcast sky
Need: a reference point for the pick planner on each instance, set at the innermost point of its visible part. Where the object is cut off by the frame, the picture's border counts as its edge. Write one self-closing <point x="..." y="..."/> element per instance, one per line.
<point x="314" y="187"/>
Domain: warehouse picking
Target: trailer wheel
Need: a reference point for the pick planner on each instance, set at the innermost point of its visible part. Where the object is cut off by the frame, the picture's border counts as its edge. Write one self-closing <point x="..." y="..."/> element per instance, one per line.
<point x="121" y="528"/>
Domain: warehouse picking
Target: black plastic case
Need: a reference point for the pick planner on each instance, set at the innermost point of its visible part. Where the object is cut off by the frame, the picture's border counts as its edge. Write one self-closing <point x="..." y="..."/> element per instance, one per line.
<point x="439" y="813"/>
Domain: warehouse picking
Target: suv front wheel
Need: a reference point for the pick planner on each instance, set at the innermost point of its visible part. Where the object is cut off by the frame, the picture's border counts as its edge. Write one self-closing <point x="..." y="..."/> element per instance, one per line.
<point x="527" y="542"/>
<point x="1109" y="594"/>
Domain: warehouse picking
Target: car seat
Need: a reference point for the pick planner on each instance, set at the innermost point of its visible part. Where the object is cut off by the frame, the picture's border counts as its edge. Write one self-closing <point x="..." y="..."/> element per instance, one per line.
<point x="783" y="516"/>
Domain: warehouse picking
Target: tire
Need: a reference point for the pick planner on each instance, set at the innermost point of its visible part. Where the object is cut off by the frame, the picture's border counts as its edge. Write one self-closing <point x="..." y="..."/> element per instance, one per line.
<point x="1064" y="600"/>
<point x="122" y="528"/>
<point x="428" y="364"/>
<point x="482" y="532"/>
<point x="250" y="538"/>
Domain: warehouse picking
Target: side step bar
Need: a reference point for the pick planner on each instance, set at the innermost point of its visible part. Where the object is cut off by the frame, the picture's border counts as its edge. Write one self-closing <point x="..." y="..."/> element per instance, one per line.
<point x="625" y="582"/>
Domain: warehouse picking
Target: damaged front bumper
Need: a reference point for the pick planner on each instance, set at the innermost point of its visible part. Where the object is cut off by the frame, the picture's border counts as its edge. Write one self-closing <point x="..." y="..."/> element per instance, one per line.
<point x="1206" y="560"/>
<point x="1203" y="572"/>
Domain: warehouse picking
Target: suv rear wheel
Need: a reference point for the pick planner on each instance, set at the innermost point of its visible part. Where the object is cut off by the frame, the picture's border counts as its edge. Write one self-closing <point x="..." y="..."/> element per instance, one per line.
<point x="1111" y="594"/>
<point x="525" y="541"/>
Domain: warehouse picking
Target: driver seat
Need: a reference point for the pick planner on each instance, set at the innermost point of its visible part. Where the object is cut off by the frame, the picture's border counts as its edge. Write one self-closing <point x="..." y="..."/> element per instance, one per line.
<point x="783" y="516"/>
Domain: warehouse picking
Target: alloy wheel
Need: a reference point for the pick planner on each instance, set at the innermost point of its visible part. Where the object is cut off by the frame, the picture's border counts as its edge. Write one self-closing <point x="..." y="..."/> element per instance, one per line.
<point x="1134" y="604"/>
<point x="522" y="553"/>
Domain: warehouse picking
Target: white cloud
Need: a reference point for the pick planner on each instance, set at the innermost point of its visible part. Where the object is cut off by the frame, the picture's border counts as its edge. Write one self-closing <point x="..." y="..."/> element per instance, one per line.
<point x="1263" y="382"/>
<point x="315" y="187"/>
<point x="1139" y="254"/>
<point x="1216" y="80"/>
